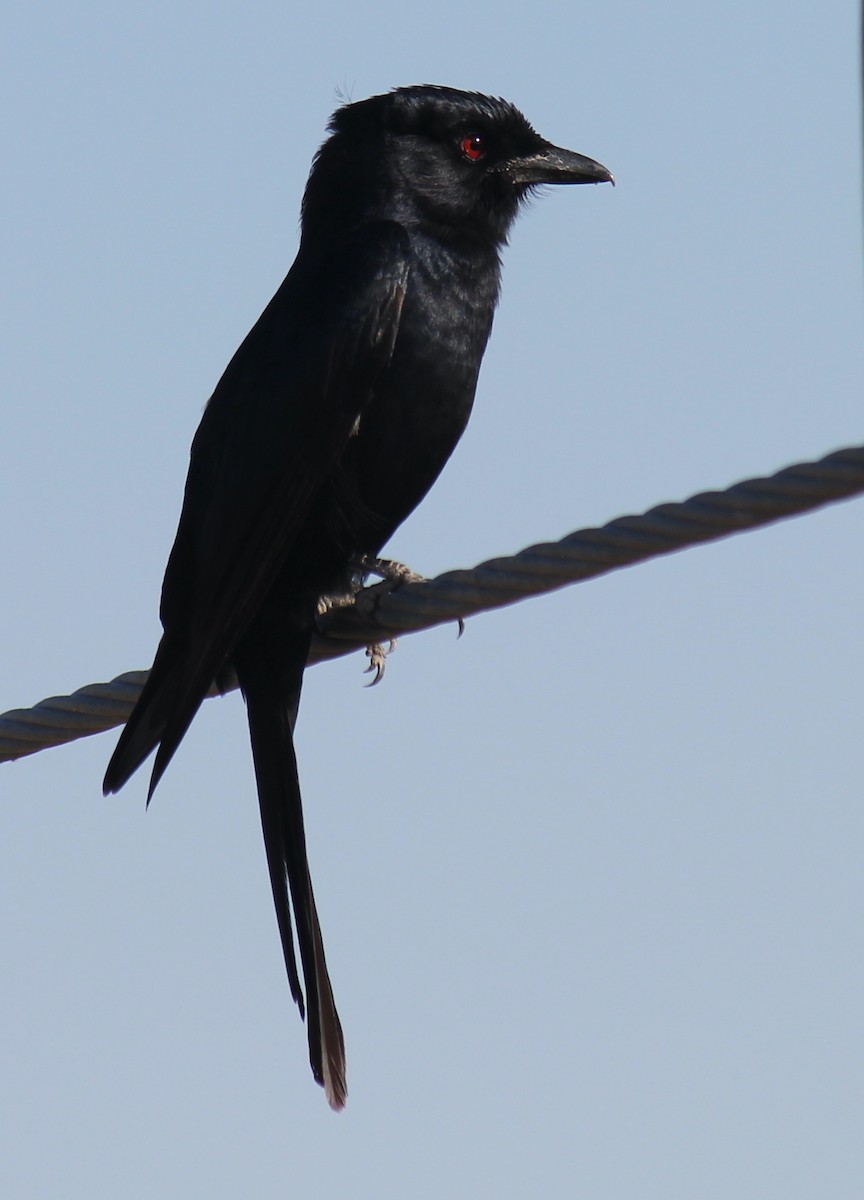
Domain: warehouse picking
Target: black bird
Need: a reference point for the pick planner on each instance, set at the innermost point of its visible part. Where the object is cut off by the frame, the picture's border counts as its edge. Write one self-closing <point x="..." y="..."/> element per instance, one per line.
<point x="330" y="424"/>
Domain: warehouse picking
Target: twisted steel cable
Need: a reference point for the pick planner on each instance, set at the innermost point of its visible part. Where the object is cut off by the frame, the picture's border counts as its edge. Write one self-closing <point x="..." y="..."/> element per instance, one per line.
<point x="379" y="613"/>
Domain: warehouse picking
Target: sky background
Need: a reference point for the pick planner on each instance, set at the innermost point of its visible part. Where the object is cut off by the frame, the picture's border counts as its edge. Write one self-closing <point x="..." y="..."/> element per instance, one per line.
<point x="590" y="877"/>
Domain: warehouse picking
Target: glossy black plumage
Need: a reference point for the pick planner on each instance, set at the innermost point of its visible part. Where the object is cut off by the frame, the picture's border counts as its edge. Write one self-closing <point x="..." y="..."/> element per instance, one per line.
<point x="331" y="422"/>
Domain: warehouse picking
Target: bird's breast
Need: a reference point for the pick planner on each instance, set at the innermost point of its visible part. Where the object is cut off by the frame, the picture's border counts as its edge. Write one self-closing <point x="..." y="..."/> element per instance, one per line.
<point x="421" y="404"/>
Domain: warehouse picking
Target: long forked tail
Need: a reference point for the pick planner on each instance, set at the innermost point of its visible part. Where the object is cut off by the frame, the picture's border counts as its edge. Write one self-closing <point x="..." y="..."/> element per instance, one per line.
<point x="272" y="709"/>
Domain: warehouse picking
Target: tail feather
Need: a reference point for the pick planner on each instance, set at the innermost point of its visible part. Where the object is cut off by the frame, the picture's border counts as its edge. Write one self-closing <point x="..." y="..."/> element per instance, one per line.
<point x="272" y="708"/>
<point x="269" y="664"/>
<point x="332" y="1042"/>
<point x="150" y="717"/>
<point x="173" y="693"/>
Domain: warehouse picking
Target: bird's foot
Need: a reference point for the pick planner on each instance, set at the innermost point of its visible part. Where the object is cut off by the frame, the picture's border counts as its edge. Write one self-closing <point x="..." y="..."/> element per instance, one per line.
<point x="392" y="575"/>
<point x="336" y="600"/>
<point x="377" y="655"/>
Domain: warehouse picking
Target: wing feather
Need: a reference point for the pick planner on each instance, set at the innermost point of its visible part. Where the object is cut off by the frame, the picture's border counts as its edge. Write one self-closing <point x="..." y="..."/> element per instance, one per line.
<point x="272" y="432"/>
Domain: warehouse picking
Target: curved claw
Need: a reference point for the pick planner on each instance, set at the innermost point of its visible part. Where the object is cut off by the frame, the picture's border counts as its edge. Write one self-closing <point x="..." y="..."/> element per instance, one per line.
<point x="377" y="654"/>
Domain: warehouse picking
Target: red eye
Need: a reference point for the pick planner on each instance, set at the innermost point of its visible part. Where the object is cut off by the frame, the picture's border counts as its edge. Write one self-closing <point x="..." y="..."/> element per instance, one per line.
<point x="473" y="146"/>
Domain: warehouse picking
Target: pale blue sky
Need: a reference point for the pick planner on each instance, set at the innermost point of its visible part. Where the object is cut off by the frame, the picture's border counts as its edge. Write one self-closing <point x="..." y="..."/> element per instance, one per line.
<point x="590" y="878"/>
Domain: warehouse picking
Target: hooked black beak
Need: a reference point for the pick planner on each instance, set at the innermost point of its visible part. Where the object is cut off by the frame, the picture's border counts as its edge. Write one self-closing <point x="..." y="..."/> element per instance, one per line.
<point x="551" y="164"/>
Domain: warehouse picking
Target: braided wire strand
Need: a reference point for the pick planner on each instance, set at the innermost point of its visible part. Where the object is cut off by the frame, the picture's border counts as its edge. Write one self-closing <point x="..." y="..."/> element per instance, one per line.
<point x="589" y="553"/>
<point x="380" y="612"/>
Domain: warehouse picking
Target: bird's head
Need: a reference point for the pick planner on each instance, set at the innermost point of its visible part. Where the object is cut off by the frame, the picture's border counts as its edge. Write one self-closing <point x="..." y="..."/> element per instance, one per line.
<point x="457" y="162"/>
